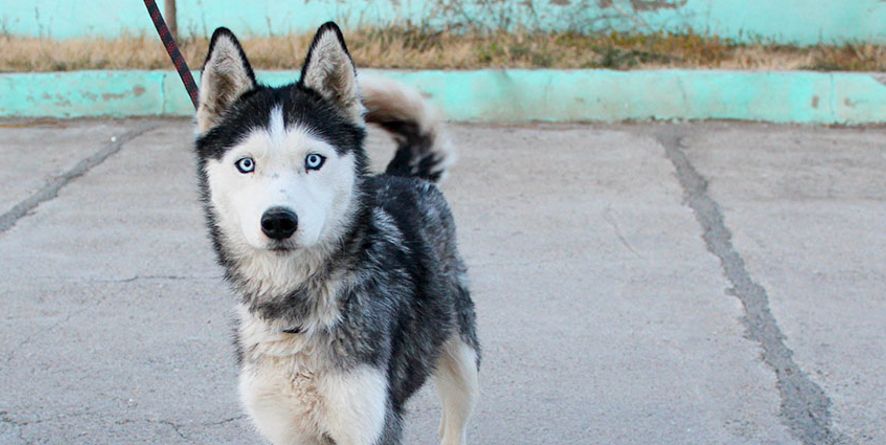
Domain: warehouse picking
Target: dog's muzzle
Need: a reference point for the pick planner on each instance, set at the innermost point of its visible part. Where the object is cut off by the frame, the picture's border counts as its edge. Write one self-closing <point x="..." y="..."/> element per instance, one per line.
<point x="279" y="223"/>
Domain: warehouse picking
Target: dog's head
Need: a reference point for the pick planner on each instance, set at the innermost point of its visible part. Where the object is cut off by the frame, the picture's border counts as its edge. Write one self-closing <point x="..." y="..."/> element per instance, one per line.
<point x="280" y="168"/>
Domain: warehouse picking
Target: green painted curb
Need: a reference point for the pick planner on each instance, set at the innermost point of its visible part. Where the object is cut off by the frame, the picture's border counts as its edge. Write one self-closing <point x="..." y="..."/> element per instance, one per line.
<point x="503" y="95"/>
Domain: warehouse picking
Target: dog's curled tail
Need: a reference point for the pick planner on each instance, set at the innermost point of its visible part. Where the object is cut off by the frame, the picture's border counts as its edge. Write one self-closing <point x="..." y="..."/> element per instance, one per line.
<point x="422" y="147"/>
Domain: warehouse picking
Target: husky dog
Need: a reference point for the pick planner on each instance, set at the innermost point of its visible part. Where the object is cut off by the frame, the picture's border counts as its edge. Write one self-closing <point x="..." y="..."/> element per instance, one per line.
<point x="352" y="290"/>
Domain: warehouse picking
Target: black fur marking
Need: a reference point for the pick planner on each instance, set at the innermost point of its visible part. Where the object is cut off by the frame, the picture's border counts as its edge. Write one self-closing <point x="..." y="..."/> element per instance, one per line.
<point x="300" y="105"/>
<point x="415" y="156"/>
<point x="238" y="347"/>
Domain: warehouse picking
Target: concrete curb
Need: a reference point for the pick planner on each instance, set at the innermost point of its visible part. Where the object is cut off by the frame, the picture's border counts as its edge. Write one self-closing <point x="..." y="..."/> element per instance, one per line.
<point x="503" y="95"/>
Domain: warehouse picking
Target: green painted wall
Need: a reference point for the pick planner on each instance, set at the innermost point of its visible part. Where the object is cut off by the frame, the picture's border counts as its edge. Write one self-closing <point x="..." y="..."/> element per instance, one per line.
<point x="785" y="21"/>
<point x="503" y="95"/>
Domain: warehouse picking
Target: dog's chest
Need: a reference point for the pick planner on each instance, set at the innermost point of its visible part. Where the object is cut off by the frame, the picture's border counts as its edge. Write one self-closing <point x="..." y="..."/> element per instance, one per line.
<point x="284" y="395"/>
<point x="281" y="379"/>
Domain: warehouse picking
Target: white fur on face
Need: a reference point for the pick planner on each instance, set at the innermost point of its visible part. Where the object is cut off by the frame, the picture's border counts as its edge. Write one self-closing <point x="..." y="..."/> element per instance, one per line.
<point x="320" y="198"/>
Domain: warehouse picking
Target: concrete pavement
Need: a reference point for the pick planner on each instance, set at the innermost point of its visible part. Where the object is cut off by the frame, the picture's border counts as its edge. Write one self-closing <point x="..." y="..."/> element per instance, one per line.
<point x="636" y="284"/>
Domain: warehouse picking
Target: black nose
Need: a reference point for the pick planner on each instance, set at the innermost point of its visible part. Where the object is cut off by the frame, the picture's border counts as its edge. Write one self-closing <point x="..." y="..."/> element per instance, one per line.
<point x="279" y="223"/>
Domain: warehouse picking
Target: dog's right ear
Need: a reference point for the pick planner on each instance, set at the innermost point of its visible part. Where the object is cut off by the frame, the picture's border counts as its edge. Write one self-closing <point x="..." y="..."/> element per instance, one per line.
<point x="329" y="70"/>
<point x="226" y="76"/>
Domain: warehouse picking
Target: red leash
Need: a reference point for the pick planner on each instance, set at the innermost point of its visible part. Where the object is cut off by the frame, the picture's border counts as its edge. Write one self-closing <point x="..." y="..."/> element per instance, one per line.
<point x="172" y="49"/>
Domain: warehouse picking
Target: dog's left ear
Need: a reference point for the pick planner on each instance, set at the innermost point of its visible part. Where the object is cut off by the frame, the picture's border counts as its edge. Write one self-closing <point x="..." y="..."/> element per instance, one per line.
<point x="329" y="70"/>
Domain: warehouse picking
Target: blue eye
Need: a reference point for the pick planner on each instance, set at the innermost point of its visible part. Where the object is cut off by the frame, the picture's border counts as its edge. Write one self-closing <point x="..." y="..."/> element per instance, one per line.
<point x="245" y="165"/>
<point x="314" y="161"/>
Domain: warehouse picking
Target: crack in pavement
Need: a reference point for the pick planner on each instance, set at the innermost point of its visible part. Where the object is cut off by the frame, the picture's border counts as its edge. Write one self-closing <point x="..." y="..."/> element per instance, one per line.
<point x="226" y="420"/>
<point x="5" y="418"/>
<point x="50" y="190"/>
<point x="607" y="215"/>
<point x="805" y="408"/>
<point x="175" y="426"/>
<point x="10" y="355"/>
<point x="178" y="428"/>
<point x="153" y="277"/>
<point x="27" y="340"/>
<point x="126" y="279"/>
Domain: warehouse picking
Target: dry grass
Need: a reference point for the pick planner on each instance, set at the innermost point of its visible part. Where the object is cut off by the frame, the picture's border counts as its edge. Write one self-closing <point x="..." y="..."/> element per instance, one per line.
<point x="419" y="48"/>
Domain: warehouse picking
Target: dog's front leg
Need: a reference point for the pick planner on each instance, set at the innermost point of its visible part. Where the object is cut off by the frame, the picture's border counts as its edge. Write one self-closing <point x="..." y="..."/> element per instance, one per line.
<point x="355" y="405"/>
